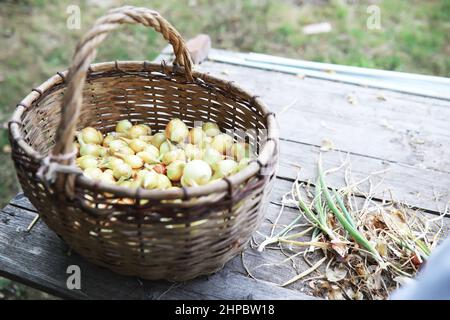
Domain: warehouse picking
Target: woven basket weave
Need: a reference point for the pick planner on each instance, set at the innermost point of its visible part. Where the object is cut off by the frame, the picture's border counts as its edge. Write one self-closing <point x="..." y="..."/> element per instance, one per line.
<point x="157" y="238"/>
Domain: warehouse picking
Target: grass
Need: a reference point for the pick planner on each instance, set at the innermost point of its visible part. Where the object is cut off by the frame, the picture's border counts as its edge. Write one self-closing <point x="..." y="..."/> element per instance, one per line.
<point x="35" y="41"/>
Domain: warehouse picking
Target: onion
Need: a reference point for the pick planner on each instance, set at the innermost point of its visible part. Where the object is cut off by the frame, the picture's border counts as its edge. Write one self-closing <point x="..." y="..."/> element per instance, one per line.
<point x="136" y="144"/>
<point x="211" y="156"/>
<point x="147" y="157"/>
<point x="240" y="150"/>
<point x="130" y="184"/>
<point x="110" y="162"/>
<point x="158" y="139"/>
<point x="196" y="172"/>
<point x="165" y="147"/>
<point x="211" y="129"/>
<point x="147" y="179"/>
<point x="159" y="168"/>
<point x="196" y="136"/>
<point x="122" y="170"/>
<point x="242" y="164"/>
<point x="132" y="160"/>
<point x="163" y="182"/>
<point x="175" y="170"/>
<point x="154" y="151"/>
<point x="91" y="135"/>
<point x="151" y="180"/>
<point x="115" y="145"/>
<point x="222" y="143"/>
<point x="90" y="149"/>
<point x="171" y="156"/>
<point x="123" y="150"/>
<point x="224" y="168"/>
<point x="192" y="152"/>
<point x="108" y="139"/>
<point x="138" y="130"/>
<point x="93" y="173"/>
<point x="111" y="136"/>
<point x="87" y="161"/>
<point x="108" y="177"/>
<point x="123" y="126"/>
<point x="176" y="130"/>
<point x="146" y="138"/>
<point x="147" y="128"/>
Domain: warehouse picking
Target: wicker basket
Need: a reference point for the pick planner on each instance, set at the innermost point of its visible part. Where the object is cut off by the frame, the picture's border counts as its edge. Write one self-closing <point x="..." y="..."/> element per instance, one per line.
<point x="156" y="238"/>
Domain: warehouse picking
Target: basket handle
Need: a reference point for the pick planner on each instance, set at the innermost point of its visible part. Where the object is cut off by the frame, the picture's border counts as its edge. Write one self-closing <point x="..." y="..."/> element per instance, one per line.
<point x="85" y="53"/>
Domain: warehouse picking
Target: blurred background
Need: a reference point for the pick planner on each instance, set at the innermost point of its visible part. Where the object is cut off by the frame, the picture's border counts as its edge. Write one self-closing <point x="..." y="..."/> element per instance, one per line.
<point x="35" y="42"/>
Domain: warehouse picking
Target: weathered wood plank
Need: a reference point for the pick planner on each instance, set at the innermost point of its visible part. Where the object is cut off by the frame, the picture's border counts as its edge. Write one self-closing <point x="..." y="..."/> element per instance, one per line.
<point x="424" y="188"/>
<point x="40" y="259"/>
<point x="404" y="128"/>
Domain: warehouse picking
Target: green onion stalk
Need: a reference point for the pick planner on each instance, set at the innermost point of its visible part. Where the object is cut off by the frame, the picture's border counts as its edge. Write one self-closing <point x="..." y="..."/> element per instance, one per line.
<point x="345" y="220"/>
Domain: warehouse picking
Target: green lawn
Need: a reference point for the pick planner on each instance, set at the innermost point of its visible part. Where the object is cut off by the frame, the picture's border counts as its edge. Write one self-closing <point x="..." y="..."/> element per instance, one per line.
<point x="35" y="42"/>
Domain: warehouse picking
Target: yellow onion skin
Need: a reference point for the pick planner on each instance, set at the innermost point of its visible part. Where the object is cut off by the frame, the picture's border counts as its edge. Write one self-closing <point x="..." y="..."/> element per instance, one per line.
<point x="175" y="170"/>
<point x="146" y="127"/>
<point x="154" y="151"/>
<point x="224" y="168"/>
<point x="134" y="161"/>
<point x="196" y="172"/>
<point x="137" y="145"/>
<point x="210" y="129"/>
<point x="196" y="136"/>
<point x="138" y="130"/>
<point x="211" y="156"/>
<point x="240" y="150"/>
<point x="108" y="139"/>
<point x="108" y="177"/>
<point x="242" y="164"/>
<point x="176" y="154"/>
<point x="176" y="131"/>
<point x="110" y="162"/>
<point x="123" y="126"/>
<point x="130" y="184"/>
<point x="122" y="150"/>
<point x="158" y="139"/>
<point x="222" y="143"/>
<point x="116" y="145"/>
<point x="90" y="149"/>
<point x="158" y="168"/>
<point x="91" y="135"/>
<point x="111" y="136"/>
<point x="87" y="161"/>
<point x="93" y="173"/>
<point x="165" y="147"/>
<point x="148" y="179"/>
<point x="122" y="170"/>
<point x="147" y="138"/>
<point x="193" y="152"/>
<point x="163" y="182"/>
<point x="148" y="157"/>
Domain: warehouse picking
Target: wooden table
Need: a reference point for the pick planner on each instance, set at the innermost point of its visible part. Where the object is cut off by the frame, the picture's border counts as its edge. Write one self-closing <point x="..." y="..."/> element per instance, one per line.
<point x="405" y="136"/>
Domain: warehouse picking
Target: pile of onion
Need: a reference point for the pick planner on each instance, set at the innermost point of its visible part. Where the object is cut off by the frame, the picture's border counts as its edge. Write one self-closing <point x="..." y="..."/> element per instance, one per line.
<point x="133" y="156"/>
